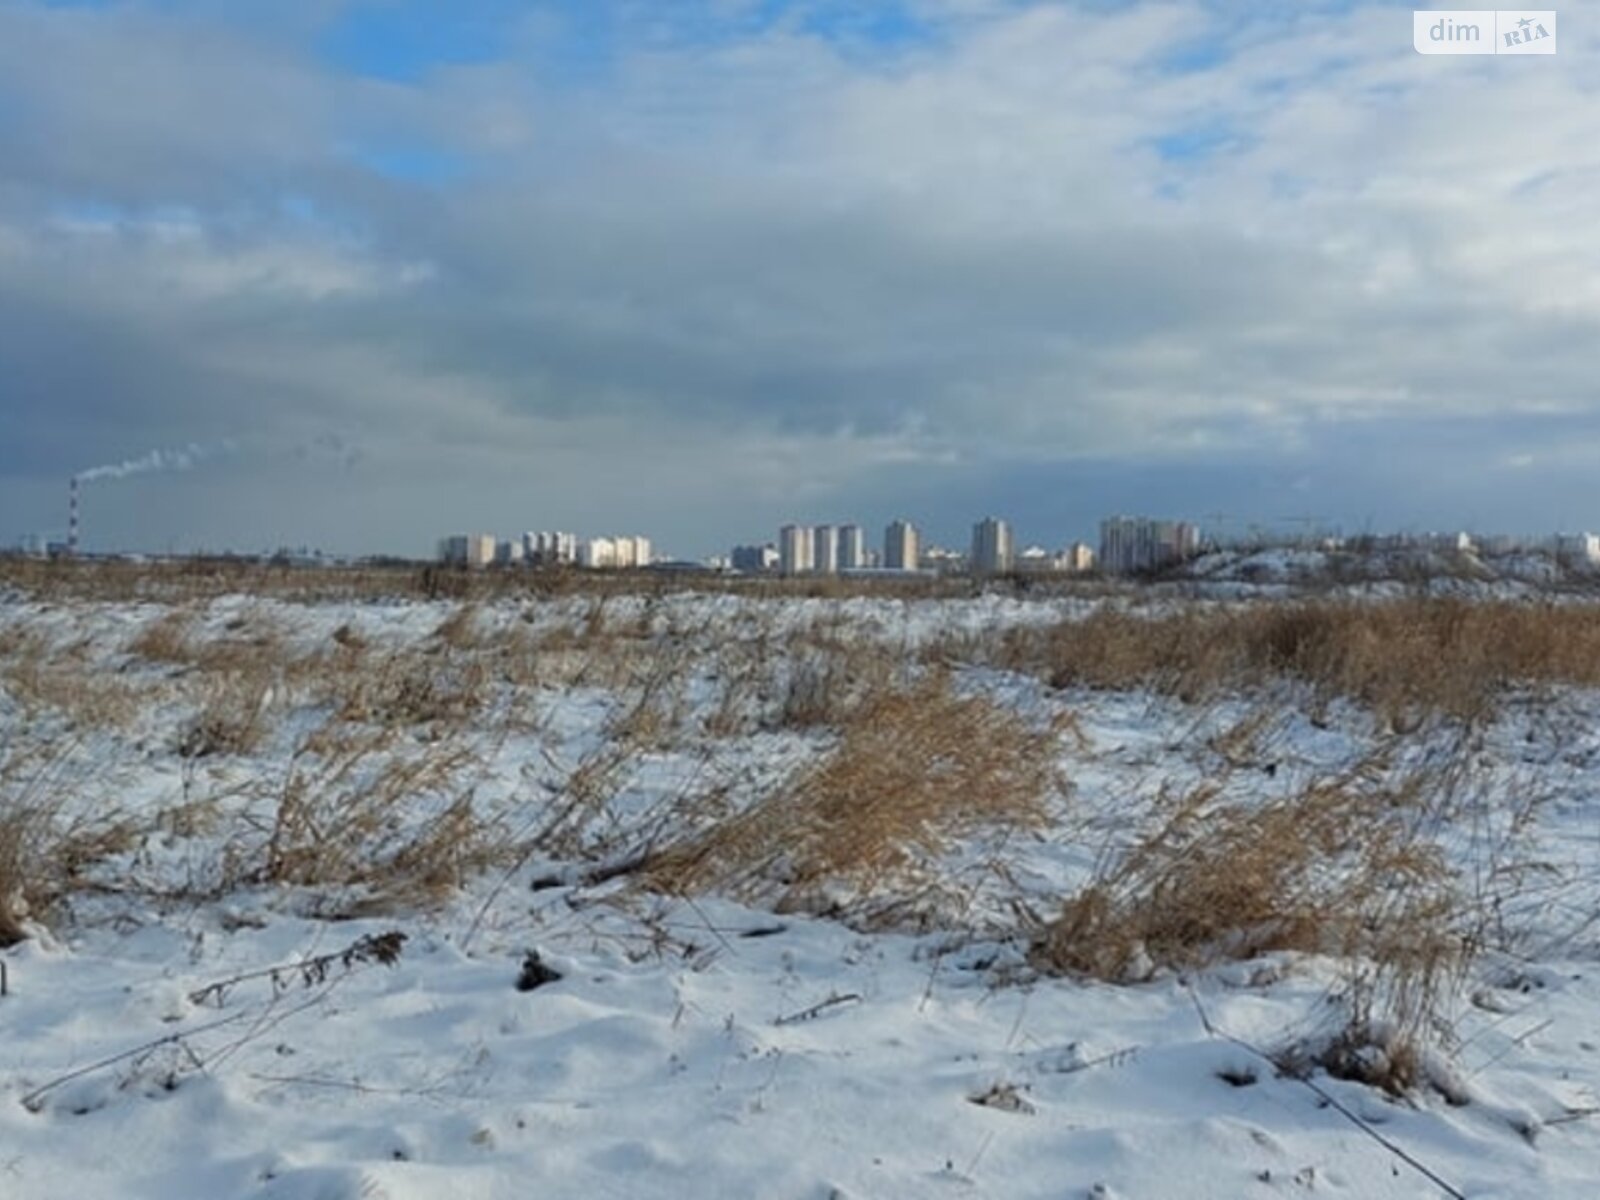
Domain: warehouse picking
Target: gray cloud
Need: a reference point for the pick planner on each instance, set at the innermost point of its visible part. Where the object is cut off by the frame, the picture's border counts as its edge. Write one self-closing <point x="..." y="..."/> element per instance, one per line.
<point x="730" y="281"/>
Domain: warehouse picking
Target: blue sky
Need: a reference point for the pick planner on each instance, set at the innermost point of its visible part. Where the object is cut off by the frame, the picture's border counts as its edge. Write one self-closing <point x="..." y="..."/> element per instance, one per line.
<point x="405" y="40"/>
<point x="701" y="267"/>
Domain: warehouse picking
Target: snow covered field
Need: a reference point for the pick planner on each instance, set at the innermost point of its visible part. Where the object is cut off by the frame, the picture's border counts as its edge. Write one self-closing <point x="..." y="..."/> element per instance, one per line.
<point x="711" y="896"/>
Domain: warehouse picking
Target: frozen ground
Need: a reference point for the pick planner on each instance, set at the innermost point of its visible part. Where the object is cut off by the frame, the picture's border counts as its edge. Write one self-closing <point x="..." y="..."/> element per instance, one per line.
<point x="699" y="1046"/>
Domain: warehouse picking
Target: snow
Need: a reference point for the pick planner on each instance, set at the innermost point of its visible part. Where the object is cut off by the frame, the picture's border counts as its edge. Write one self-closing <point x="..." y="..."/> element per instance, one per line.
<point x="700" y="1047"/>
<point x="642" y="1073"/>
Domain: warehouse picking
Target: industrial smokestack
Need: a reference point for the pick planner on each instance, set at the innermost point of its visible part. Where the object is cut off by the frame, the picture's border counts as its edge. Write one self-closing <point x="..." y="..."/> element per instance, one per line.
<point x="72" y="518"/>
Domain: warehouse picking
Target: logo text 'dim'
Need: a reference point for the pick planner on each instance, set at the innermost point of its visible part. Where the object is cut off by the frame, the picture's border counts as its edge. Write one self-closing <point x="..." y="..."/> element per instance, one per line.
<point x="1484" y="31"/>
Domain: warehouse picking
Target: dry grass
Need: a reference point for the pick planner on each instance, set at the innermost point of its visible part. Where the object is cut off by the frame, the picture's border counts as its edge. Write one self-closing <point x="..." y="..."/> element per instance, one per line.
<point x="227" y="678"/>
<point x="825" y="678"/>
<point x="378" y="826"/>
<point x="460" y="630"/>
<point x="49" y="837"/>
<point x="20" y="886"/>
<point x="357" y="815"/>
<point x="567" y="829"/>
<point x="194" y="580"/>
<point x="1218" y="878"/>
<point x="1405" y="659"/>
<point x="818" y="676"/>
<point x="405" y="688"/>
<point x="657" y="716"/>
<point x="166" y="639"/>
<point x="372" y="817"/>
<point x="233" y="714"/>
<point x="918" y="769"/>
<point x="1347" y="866"/>
<point x="44" y="682"/>
<point x="375" y="809"/>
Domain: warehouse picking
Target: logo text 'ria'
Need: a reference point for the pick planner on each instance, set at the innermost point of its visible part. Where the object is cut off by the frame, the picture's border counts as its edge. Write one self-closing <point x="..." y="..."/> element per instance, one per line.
<point x="1484" y="31"/>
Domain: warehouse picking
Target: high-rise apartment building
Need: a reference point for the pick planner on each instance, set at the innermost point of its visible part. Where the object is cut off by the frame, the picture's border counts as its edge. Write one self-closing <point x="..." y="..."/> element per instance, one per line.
<point x="1131" y="544"/>
<point x="614" y="553"/>
<point x="825" y="550"/>
<point x="900" y="546"/>
<point x="752" y="559"/>
<point x="468" y="549"/>
<point x="550" y="548"/>
<point x="632" y="551"/>
<point x="597" y="554"/>
<point x="852" y="548"/>
<point x="991" y="547"/>
<point x="795" y="549"/>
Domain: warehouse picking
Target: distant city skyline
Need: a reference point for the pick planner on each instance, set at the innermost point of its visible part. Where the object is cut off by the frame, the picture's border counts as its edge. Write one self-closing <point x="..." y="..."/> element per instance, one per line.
<point x="1128" y="546"/>
<point x="955" y="535"/>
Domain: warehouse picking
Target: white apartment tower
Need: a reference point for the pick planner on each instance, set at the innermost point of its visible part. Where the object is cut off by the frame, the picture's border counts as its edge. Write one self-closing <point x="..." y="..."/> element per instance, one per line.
<point x="991" y="547"/>
<point x="795" y="547"/>
<point x="597" y="554"/>
<point x="825" y="550"/>
<point x="468" y="549"/>
<point x="852" y="548"/>
<point x="632" y="551"/>
<point x="550" y="548"/>
<point x="614" y="553"/>
<point x="1129" y="544"/>
<point x="900" y="546"/>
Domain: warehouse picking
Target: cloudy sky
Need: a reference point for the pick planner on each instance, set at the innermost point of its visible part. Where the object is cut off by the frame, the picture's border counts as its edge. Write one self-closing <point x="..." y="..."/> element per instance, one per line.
<point x="697" y="267"/>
